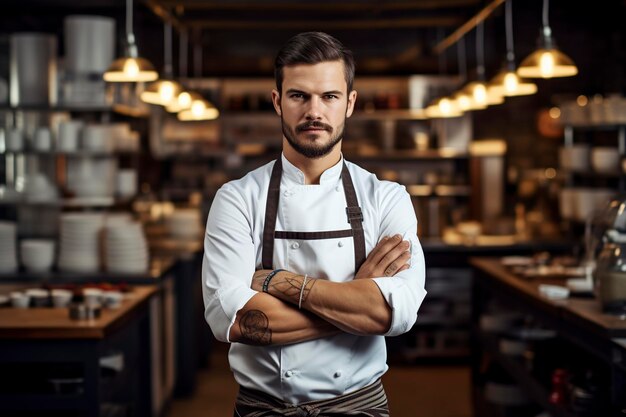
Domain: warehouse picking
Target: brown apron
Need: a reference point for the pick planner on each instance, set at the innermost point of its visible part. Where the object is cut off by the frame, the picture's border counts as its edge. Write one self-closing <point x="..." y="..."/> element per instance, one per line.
<point x="370" y="401"/>
<point x="353" y="212"/>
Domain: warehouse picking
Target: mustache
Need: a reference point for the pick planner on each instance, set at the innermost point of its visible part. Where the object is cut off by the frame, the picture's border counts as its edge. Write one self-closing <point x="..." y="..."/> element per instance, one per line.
<point x="313" y="124"/>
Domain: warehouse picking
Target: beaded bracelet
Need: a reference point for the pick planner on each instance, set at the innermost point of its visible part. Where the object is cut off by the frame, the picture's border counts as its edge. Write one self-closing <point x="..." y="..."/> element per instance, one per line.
<point x="268" y="278"/>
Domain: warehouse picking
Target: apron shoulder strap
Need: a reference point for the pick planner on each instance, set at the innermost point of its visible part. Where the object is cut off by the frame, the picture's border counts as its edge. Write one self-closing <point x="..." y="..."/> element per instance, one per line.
<point x="355" y="218"/>
<point x="271" y="210"/>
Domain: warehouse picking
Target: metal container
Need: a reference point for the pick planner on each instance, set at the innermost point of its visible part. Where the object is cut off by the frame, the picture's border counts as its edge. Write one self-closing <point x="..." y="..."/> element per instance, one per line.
<point x="89" y="43"/>
<point x="33" y="69"/>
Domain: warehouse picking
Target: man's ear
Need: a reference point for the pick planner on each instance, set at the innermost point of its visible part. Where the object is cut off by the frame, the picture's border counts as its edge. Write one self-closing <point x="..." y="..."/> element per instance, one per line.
<point x="276" y="101"/>
<point x="351" y="101"/>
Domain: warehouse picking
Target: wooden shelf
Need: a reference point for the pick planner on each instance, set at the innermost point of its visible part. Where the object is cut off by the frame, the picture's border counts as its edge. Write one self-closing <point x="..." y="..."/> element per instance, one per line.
<point x="439" y="190"/>
<point x="396" y="114"/>
<point x="59" y="109"/>
<point x="430" y="154"/>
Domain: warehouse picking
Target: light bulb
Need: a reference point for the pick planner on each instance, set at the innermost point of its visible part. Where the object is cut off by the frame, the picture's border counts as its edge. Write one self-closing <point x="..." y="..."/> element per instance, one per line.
<point x="197" y="108"/>
<point x="546" y="64"/>
<point x="511" y="82"/>
<point x="184" y="100"/>
<point x="131" y="69"/>
<point x="479" y="93"/>
<point x="465" y="103"/>
<point x="166" y="91"/>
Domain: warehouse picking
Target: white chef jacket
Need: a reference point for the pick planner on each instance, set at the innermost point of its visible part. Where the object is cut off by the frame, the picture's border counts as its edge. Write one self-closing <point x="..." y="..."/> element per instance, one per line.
<point x="326" y="367"/>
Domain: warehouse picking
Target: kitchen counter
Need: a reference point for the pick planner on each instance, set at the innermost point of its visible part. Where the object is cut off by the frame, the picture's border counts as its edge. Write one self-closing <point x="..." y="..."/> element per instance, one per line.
<point x="52" y="363"/>
<point x="584" y="313"/>
<point x="55" y="323"/>
<point x="587" y="338"/>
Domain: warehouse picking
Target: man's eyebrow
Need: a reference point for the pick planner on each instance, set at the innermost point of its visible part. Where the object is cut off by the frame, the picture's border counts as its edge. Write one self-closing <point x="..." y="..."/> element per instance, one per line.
<point x="325" y="93"/>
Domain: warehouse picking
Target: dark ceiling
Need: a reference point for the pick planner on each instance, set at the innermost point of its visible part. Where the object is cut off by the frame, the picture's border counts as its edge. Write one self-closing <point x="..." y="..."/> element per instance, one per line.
<point x="240" y="37"/>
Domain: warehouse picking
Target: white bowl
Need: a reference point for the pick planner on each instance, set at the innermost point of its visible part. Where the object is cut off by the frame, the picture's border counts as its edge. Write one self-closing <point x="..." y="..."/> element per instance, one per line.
<point x="19" y="299"/>
<point x="605" y="159"/>
<point x="61" y="298"/>
<point x="37" y="255"/>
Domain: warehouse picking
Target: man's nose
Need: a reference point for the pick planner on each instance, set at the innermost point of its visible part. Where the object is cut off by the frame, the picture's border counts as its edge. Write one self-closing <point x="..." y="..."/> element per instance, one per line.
<point x="313" y="111"/>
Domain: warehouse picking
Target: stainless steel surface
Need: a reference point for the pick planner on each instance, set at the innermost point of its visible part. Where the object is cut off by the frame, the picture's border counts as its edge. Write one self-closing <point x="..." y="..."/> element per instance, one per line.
<point x="33" y="69"/>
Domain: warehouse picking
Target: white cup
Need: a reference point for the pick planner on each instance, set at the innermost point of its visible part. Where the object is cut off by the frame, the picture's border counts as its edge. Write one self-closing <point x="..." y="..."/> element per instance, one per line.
<point x="14" y="139"/>
<point x="112" y="299"/>
<point x="37" y="255"/>
<point x="61" y="298"/>
<point x="69" y="133"/>
<point x="93" y="296"/>
<point x="19" y="299"/>
<point x="126" y="182"/>
<point x="43" y="139"/>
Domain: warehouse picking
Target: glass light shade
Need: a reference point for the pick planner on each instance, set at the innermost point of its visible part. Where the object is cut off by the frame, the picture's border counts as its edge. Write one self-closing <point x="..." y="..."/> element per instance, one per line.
<point x="161" y="92"/>
<point x="547" y="63"/>
<point x="464" y="101"/>
<point x="128" y="69"/>
<point x="509" y="84"/>
<point x="443" y="108"/>
<point x="200" y="110"/>
<point x="183" y="102"/>
<point x="480" y="96"/>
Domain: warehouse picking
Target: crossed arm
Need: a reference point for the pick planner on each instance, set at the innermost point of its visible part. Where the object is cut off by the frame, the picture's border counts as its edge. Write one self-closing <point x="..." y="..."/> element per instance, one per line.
<point x="327" y="308"/>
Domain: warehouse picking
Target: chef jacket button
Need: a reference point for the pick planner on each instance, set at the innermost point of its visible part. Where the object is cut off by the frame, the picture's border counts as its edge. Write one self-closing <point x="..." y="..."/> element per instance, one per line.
<point x="340" y="244"/>
<point x="337" y="188"/>
<point x="337" y="374"/>
<point x="288" y="374"/>
<point x="295" y="245"/>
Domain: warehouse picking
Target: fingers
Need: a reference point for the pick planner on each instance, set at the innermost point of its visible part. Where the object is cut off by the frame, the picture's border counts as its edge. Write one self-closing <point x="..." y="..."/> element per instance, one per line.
<point x="396" y="265"/>
<point x="383" y="247"/>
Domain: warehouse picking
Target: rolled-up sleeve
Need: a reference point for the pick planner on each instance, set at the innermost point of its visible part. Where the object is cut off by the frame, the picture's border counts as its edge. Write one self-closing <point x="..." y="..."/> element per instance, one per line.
<point x="405" y="291"/>
<point x="228" y="263"/>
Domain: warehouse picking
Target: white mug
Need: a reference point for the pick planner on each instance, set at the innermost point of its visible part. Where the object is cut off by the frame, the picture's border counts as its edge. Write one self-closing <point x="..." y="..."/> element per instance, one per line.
<point x="69" y="133"/>
<point x="15" y="139"/>
<point x="43" y="139"/>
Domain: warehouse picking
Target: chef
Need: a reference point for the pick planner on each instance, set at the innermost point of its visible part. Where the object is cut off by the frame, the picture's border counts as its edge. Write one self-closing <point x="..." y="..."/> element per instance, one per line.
<point x="309" y="261"/>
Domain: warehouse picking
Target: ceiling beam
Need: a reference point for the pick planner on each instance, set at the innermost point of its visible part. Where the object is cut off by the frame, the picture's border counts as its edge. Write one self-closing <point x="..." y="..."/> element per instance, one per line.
<point x="317" y="6"/>
<point x="325" y="24"/>
<point x="467" y="26"/>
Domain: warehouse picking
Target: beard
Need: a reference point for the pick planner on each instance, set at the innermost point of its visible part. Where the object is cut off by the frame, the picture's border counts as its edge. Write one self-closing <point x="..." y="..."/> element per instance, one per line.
<point x="308" y="147"/>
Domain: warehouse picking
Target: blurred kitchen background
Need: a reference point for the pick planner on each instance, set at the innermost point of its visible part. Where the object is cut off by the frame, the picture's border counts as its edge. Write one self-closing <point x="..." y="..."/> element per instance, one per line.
<point x="108" y="167"/>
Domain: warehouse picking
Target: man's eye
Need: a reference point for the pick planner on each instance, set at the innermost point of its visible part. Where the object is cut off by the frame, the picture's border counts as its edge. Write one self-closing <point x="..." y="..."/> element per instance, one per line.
<point x="331" y="97"/>
<point x="297" y="96"/>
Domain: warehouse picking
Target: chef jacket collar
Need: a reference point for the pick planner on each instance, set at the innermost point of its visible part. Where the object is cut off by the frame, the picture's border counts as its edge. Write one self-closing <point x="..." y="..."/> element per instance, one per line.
<point x="292" y="173"/>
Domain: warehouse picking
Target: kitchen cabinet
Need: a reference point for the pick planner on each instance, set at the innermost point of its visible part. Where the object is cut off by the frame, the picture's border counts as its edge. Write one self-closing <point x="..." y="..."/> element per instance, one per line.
<point x="584" y="340"/>
<point x="95" y="368"/>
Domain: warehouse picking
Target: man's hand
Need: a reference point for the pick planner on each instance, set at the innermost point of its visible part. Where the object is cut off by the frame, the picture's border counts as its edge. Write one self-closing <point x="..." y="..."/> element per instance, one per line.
<point x="389" y="257"/>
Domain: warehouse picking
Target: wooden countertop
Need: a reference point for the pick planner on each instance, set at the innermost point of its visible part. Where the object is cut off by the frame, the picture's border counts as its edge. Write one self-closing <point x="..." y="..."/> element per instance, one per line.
<point x="583" y="312"/>
<point x="55" y="323"/>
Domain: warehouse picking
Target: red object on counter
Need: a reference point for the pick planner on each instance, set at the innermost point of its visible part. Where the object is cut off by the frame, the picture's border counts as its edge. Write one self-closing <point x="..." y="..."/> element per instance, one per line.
<point x="558" y="395"/>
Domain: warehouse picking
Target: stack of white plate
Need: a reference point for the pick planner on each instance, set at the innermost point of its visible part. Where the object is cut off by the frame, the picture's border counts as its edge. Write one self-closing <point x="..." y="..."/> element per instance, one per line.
<point x="8" y="250"/>
<point x="184" y="223"/>
<point x="80" y="249"/>
<point x="126" y="248"/>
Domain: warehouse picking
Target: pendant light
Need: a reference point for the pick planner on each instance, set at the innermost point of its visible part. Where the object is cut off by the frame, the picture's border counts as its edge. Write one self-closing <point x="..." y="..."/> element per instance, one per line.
<point x="184" y="98"/>
<point x="200" y="108"/>
<point x="547" y="61"/>
<point x="166" y="89"/>
<point x="443" y="107"/>
<point x="462" y="98"/>
<point x="130" y="68"/>
<point x="477" y="90"/>
<point x="507" y="82"/>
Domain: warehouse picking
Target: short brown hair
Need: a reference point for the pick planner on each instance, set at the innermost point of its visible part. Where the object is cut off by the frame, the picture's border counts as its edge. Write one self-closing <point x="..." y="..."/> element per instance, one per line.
<point x="313" y="48"/>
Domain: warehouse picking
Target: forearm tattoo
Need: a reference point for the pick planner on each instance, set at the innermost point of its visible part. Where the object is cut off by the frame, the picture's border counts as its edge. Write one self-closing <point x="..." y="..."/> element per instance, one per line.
<point x="288" y="289"/>
<point x="255" y="328"/>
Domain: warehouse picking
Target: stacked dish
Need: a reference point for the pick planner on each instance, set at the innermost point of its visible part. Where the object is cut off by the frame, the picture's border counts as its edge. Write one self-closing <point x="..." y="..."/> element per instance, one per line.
<point x="8" y="250"/>
<point x="184" y="223"/>
<point x="126" y="248"/>
<point x="79" y="242"/>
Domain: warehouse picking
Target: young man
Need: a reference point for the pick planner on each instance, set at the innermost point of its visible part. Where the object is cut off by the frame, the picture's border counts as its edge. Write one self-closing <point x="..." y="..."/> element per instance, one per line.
<point x="310" y="260"/>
